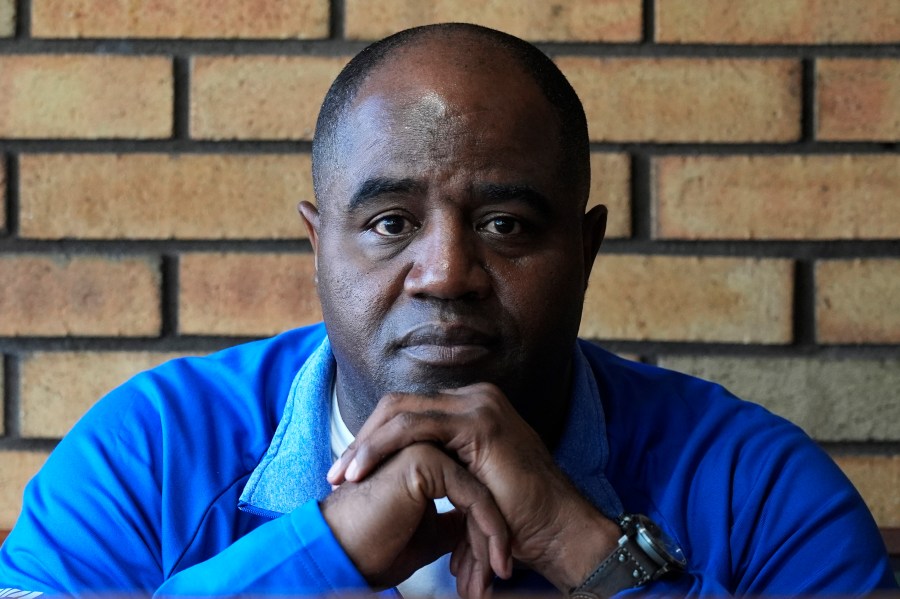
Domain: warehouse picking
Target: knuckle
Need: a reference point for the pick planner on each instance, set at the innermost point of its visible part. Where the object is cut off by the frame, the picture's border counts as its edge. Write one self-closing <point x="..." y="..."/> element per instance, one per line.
<point x="390" y="400"/>
<point x="407" y="419"/>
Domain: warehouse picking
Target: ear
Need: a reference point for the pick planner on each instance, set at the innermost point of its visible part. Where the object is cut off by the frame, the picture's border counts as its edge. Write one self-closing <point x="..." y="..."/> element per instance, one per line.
<point x="593" y="228"/>
<point x="310" y="215"/>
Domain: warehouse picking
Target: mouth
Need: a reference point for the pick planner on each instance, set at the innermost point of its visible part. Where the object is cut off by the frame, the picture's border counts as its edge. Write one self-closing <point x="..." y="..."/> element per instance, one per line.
<point x="444" y="344"/>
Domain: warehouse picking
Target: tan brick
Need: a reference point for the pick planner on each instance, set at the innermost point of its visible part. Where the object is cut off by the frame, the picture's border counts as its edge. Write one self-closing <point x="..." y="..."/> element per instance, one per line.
<point x="16" y="469"/>
<point x="158" y="196"/>
<point x="832" y="400"/>
<point x="777" y="197"/>
<point x="877" y="479"/>
<point x="57" y="388"/>
<point x="246" y="294"/>
<point x="611" y="186"/>
<point x="281" y="19"/>
<point x="858" y="99"/>
<point x="259" y="97"/>
<point x="858" y="301"/>
<point x="673" y="298"/>
<point x="85" y="96"/>
<point x="687" y="100"/>
<point x="777" y="21"/>
<point x="7" y="18"/>
<point x="80" y="295"/>
<point x="575" y="20"/>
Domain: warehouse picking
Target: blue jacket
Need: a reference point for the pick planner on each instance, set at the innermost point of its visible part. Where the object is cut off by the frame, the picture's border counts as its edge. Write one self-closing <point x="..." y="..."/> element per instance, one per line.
<point x="143" y="494"/>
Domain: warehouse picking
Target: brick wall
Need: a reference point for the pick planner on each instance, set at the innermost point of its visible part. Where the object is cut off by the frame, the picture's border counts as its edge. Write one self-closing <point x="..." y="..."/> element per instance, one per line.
<point x="153" y="153"/>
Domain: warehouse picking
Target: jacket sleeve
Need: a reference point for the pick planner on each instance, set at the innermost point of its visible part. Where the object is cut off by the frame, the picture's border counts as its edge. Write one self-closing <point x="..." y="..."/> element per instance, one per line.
<point x="92" y="522"/>
<point x="296" y="554"/>
<point x="803" y="529"/>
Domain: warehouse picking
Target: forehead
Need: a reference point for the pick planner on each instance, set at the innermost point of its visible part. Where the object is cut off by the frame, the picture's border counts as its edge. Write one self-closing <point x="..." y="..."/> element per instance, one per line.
<point x="444" y="110"/>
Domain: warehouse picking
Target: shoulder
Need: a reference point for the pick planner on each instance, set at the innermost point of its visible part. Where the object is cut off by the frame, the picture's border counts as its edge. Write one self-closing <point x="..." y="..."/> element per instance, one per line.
<point x="243" y="377"/>
<point x="192" y="405"/>
<point x="690" y="426"/>
<point x="155" y="456"/>
<point x="735" y="483"/>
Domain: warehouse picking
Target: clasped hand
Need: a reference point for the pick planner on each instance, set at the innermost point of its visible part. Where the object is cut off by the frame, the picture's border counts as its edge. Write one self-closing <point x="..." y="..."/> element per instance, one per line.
<point x="470" y="445"/>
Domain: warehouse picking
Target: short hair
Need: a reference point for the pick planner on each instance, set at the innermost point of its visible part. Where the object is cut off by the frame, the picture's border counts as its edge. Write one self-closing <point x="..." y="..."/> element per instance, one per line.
<point x="553" y="84"/>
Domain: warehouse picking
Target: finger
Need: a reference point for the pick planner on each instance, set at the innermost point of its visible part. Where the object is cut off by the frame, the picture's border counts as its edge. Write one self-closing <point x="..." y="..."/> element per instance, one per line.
<point x="481" y="574"/>
<point x="402" y="430"/>
<point x="464" y="571"/>
<point x="477" y="577"/>
<point x="486" y="528"/>
<point x="457" y="555"/>
<point x="478" y="542"/>
<point x="399" y="420"/>
<point x="433" y="474"/>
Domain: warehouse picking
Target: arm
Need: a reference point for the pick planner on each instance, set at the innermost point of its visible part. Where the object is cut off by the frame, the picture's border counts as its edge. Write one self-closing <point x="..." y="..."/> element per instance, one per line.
<point x="801" y="527"/>
<point x="93" y="521"/>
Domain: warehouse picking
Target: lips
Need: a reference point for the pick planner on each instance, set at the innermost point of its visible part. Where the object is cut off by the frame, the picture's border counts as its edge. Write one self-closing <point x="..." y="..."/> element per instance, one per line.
<point x="444" y="344"/>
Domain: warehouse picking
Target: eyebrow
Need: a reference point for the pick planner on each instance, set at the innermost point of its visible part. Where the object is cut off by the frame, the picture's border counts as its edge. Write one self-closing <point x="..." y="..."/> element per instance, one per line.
<point x="498" y="192"/>
<point x="373" y="188"/>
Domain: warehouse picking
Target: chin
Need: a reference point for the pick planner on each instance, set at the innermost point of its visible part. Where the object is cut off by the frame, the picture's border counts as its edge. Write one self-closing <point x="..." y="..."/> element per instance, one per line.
<point x="431" y="379"/>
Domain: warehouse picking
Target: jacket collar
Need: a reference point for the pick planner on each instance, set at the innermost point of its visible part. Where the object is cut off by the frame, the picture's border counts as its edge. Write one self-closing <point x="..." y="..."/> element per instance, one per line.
<point x="293" y="469"/>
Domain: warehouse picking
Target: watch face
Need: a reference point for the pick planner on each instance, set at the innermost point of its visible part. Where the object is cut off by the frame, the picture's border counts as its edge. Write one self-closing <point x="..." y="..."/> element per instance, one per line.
<point x="660" y="546"/>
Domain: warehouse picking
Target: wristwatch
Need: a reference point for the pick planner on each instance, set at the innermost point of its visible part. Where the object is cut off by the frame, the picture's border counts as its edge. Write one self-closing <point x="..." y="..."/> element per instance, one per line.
<point x="644" y="553"/>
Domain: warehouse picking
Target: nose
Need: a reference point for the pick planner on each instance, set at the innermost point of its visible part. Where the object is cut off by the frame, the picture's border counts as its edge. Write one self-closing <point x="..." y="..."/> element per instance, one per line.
<point x="447" y="264"/>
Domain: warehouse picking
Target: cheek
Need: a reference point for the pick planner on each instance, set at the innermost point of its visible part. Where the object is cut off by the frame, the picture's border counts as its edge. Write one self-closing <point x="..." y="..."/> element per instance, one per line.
<point x="545" y="297"/>
<point x="353" y="297"/>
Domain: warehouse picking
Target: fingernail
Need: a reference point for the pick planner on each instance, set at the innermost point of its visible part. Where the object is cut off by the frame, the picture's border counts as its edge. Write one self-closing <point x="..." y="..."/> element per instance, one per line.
<point x="352" y="470"/>
<point x="334" y="468"/>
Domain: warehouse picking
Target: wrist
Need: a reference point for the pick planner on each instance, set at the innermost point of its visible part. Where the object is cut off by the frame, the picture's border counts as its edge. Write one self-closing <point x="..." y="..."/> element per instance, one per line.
<point x="587" y="538"/>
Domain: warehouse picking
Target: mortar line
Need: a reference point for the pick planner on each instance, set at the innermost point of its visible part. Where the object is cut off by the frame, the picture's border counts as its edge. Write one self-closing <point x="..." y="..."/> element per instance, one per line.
<point x="181" y="102"/>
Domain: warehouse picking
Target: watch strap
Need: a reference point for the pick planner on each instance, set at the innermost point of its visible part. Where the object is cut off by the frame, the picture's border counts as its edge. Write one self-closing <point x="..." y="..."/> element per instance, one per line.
<point x="626" y="567"/>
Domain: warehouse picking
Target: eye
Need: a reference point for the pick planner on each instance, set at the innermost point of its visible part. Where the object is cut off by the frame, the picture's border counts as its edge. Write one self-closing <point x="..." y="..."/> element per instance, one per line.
<point x="502" y="225"/>
<point x="392" y="225"/>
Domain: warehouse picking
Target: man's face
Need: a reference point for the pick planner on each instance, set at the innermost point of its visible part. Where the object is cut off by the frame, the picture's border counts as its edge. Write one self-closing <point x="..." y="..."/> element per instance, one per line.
<point x="449" y="249"/>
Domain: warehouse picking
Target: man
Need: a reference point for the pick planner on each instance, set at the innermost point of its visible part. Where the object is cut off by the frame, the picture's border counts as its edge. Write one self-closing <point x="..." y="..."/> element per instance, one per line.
<point x="452" y="252"/>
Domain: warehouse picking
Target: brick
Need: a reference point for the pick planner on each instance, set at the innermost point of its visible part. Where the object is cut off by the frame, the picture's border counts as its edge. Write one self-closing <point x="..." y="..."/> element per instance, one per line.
<point x="85" y="96"/>
<point x="575" y="20"/>
<point x="777" y="197"/>
<point x="611" y="186"/>
<point x="246" y="294"/>
<point x="259" y="97"/>
<point x="858" y="301"/>
<point x="16" y="469"/>
<point x="677" y="298"/>
<point x="858" y="99"/>
<point x="57" y="388"/>
<point x="280" y="19"/>
<point x="79" y="295"/>
<point x="877" y="479"/>
<point x="7" y="18"/>
<point x="777" y="21"/>
<point x="687" y="100"/>
<point x="831" y="399"/>
<point x="158" y="196"/>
